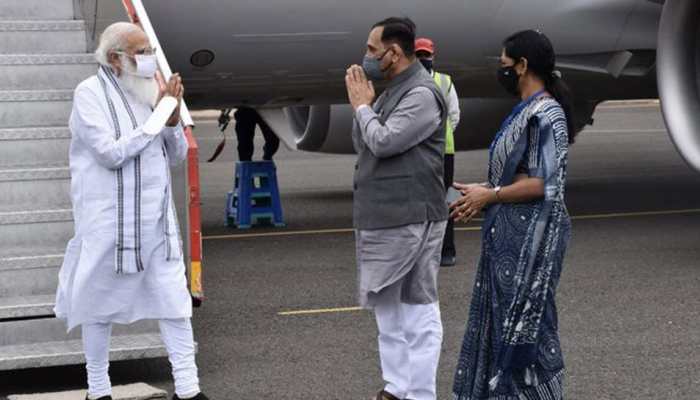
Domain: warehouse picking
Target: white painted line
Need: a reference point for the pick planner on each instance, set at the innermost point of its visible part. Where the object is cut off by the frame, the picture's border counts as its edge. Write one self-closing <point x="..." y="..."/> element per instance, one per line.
<point x="613" y="131"/>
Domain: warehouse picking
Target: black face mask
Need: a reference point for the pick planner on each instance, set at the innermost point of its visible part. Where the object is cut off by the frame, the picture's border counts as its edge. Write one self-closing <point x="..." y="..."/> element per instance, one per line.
<point x="509" y="79"/>
<point x="427" y="63"/>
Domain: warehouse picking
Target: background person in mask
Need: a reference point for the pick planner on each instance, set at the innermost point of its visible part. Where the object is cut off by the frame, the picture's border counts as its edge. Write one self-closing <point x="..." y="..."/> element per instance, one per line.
<point x="124" y="263"/>
<point x="399" y="206"/>
<point x="511" y="346"/>
<point x="425" y="52"/>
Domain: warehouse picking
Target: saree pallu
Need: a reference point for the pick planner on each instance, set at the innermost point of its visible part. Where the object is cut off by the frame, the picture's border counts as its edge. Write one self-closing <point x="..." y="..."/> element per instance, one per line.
<point x="511" y="347"/>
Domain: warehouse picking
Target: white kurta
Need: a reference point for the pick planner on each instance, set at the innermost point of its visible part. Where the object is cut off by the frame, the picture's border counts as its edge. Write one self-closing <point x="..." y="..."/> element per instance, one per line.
<point x="90" y="290"/>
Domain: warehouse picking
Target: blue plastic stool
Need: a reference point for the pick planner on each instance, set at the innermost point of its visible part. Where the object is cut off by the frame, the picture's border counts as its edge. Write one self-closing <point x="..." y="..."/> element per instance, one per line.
<point x="255" y="199"/>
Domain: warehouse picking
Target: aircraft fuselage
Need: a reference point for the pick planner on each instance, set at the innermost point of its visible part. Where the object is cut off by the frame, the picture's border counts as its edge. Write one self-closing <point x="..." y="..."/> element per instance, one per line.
<point x="287" y="52"/>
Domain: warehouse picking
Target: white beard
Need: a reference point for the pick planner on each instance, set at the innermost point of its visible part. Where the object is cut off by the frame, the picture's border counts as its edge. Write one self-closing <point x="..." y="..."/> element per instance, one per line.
<point x="145" y="90"/>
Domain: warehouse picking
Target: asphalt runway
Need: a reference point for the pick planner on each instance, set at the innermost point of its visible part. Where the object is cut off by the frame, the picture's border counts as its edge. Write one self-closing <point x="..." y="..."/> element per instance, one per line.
<point x="629" y="299"/>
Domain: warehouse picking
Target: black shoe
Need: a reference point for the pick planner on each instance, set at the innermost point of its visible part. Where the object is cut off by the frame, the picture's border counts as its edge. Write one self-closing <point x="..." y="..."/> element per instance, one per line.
<point x="384" y="395"/>
<point x="101" y="398"/>
<point x="448" y="261"/>
<point x="200" y="396"/>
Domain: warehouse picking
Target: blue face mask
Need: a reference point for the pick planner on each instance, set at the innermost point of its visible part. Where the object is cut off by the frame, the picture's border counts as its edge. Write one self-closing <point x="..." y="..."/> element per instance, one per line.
<point x="373" y="67"/>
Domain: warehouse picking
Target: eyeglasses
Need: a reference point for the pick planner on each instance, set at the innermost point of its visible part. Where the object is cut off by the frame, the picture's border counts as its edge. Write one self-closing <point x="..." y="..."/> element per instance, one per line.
<point x="146" y="51"/>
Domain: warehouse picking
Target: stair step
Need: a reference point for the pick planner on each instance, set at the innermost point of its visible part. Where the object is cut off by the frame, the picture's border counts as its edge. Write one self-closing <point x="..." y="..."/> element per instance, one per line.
<point x="35" y="216"/>
<point x="42" y="187"/>
<point x="52" y="258"/>
<point x="35" y="108"/>
<point x="30" y="275"/>
<point x="42" y="26"/>
<point x="132" y="391"/>
<point x="45" y="71"/>
<point x="36" y="9"/>
<point x="40" y="228"/>
<point x="27" y="306"/>
<point x="48" y="59"/>
<point x="22" y="96"/>
<point x="25" y="174"/>
<point x="49" y="36"/>
<point x="44" y="342"/>
<point x="42" y="330"/>
<point x="49" y="354"/>
<point x="39" y="133"/>
<point x="28" y="147"/>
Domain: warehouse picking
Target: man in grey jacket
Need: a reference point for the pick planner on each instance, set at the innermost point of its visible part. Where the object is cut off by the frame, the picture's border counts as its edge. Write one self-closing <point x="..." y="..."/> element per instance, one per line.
<point x="399" y="206"/>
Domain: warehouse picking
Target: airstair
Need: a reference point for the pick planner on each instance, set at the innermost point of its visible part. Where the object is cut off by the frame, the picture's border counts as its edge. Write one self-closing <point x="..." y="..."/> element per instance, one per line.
<point x="43" y="56"/>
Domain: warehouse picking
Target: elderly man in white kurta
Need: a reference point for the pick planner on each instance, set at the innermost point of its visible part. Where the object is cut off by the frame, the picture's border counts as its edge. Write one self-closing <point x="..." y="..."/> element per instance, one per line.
<point x="125" y="262"/>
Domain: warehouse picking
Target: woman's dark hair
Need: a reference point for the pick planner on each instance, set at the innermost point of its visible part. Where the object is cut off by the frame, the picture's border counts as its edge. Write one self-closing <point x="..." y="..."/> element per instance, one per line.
<point x="401" y="31"/>
<point x="536" y="48"/>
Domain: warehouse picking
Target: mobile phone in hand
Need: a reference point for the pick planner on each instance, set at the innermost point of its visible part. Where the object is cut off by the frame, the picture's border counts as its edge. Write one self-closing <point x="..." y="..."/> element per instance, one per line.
<point x="452" y="195"/>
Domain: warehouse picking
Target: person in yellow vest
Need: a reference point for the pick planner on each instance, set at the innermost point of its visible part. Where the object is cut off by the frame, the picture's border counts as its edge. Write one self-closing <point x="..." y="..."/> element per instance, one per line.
<point x="425" y="52"/>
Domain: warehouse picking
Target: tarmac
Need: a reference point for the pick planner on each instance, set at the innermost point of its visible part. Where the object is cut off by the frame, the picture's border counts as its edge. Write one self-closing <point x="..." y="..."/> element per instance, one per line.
<point x="279" y="319"/>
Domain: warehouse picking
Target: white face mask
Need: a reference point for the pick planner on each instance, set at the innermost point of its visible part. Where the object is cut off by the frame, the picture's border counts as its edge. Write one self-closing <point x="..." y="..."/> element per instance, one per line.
<point x="145" y="89"/>
<point x="146" y="65"/>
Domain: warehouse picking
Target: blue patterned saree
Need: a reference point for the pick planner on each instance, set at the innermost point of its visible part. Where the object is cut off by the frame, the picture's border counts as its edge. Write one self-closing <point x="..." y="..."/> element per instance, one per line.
<point x="511" y="346"/>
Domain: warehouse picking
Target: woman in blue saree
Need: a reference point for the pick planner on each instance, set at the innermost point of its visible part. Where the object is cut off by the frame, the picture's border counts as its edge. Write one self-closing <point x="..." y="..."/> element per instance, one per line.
<point x="511" y="346"/>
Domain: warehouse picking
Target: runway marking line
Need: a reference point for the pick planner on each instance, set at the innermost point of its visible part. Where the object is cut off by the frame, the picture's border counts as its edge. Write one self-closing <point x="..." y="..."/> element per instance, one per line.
<point x="461" y="229"/>
<point x="630" y="104"/>
<point x="283" y="233"/>
<point x="636" y="214"/>
<point x="320" y="311"/>
<point x="627" y="106"/>
<point x="613" y="131"/>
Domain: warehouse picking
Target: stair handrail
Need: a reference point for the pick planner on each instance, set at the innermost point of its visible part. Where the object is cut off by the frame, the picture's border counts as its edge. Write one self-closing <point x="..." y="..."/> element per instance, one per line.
<point x="138" y="15"/>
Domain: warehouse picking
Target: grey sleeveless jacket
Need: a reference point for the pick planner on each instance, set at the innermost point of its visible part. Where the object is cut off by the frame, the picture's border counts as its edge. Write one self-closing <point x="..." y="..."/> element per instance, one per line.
<point x="406" y="188"/>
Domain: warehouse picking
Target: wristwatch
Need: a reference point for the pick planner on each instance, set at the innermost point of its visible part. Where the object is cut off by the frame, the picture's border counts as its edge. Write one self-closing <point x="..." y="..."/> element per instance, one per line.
<point x="497" y="190"/>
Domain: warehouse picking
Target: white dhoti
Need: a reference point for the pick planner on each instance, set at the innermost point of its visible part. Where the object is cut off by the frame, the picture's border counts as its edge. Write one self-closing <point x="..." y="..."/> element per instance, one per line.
<point x="398" y="270"/>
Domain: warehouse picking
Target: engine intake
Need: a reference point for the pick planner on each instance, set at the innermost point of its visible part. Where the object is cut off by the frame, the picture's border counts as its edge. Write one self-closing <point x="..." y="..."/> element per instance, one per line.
<point x="678" y="61"/>
<point x="321" y="128"/>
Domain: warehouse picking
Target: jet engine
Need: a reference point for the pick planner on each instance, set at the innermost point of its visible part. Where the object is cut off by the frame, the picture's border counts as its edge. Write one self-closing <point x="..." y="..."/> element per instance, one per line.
<point x="321" y="128"/>
<point x="678" y="66"/>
